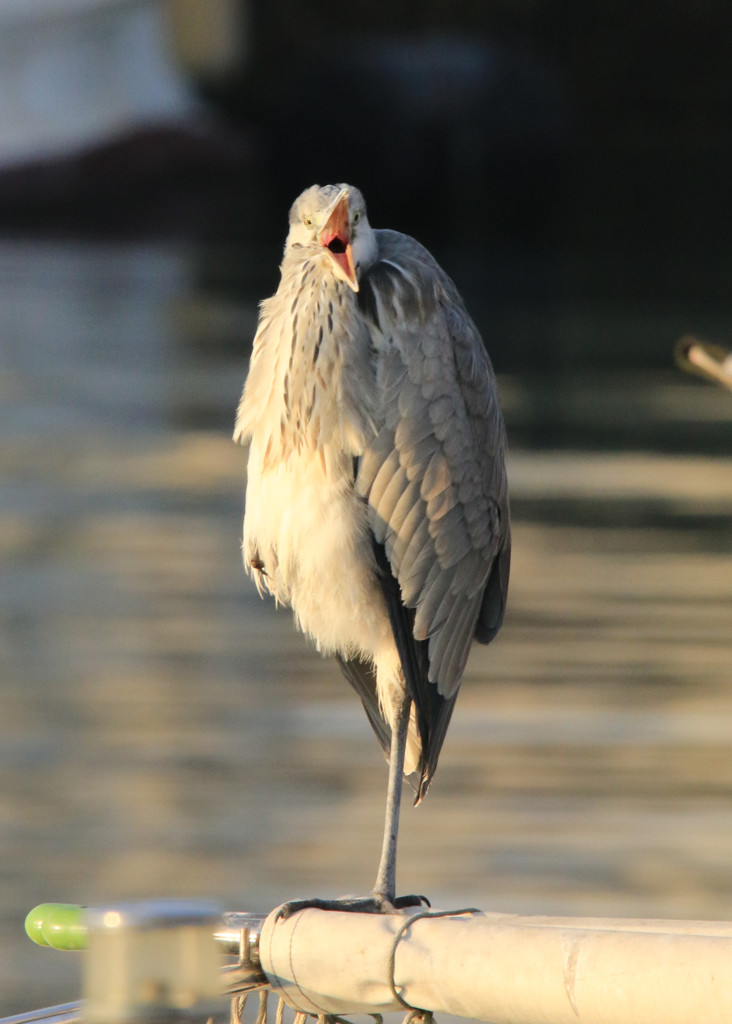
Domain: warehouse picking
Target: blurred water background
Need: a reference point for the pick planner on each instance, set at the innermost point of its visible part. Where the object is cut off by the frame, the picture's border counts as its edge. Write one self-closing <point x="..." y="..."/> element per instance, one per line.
<point x="163" y="732"/>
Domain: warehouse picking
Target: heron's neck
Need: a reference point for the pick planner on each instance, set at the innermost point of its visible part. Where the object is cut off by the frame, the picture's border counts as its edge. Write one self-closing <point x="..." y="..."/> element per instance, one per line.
<point x="322" y="354"/>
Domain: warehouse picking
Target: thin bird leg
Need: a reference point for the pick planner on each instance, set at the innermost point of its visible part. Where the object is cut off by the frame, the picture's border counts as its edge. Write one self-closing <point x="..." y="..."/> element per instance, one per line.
<point x="382" y="899"/>
<point x="385" y="887"/>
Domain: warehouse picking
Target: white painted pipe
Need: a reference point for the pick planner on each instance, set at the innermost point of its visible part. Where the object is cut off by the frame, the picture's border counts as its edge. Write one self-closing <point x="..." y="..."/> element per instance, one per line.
<point x="506" y="969"/>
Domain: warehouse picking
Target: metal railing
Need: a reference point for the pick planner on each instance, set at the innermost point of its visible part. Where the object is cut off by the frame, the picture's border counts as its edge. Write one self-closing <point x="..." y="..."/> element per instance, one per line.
<point x="162" y="962"/>
<point x="160" y="959"/>
<point x="705" y="359"/>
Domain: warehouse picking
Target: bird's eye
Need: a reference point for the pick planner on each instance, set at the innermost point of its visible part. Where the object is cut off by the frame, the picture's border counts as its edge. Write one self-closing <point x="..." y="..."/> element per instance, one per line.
<point x="308" y="222"/>
<point x="357" y="217"/>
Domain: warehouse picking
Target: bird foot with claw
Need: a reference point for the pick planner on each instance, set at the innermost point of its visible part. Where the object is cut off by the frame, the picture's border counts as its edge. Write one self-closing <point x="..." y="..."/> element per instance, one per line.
<point x="377" y="903"/>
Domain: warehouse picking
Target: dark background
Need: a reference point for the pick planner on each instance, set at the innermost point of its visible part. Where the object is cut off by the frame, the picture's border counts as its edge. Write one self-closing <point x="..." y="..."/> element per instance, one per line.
<point x="550" y="153"/>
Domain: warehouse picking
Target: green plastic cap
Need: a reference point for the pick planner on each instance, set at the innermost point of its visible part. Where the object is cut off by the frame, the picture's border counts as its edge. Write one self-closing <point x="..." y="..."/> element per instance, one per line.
<point x="58" y="925"/>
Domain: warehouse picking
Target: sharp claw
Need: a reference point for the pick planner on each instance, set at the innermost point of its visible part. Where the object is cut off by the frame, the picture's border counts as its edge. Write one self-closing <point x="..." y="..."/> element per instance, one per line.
<point x="412" y="900"/>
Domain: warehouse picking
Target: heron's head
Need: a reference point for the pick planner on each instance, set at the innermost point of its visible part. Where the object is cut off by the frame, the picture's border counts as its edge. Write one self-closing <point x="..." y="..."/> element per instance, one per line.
<point x="332" y="219"/>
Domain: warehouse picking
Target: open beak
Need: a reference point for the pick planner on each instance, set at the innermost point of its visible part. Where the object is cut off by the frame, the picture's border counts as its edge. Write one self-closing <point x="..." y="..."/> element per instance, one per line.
<point x="335" y="236"/>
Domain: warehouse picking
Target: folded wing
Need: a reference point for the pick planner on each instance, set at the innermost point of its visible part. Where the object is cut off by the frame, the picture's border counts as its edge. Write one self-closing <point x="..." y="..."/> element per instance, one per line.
<point x="434" y="478"/>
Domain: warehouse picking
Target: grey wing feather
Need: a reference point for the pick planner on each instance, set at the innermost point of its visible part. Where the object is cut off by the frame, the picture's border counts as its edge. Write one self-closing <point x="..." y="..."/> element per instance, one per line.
<point x="434" y="476"/>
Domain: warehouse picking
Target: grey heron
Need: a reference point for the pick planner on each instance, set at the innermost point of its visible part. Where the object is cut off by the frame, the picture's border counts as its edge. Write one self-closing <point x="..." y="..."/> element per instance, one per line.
<point x="376" y="499"/>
